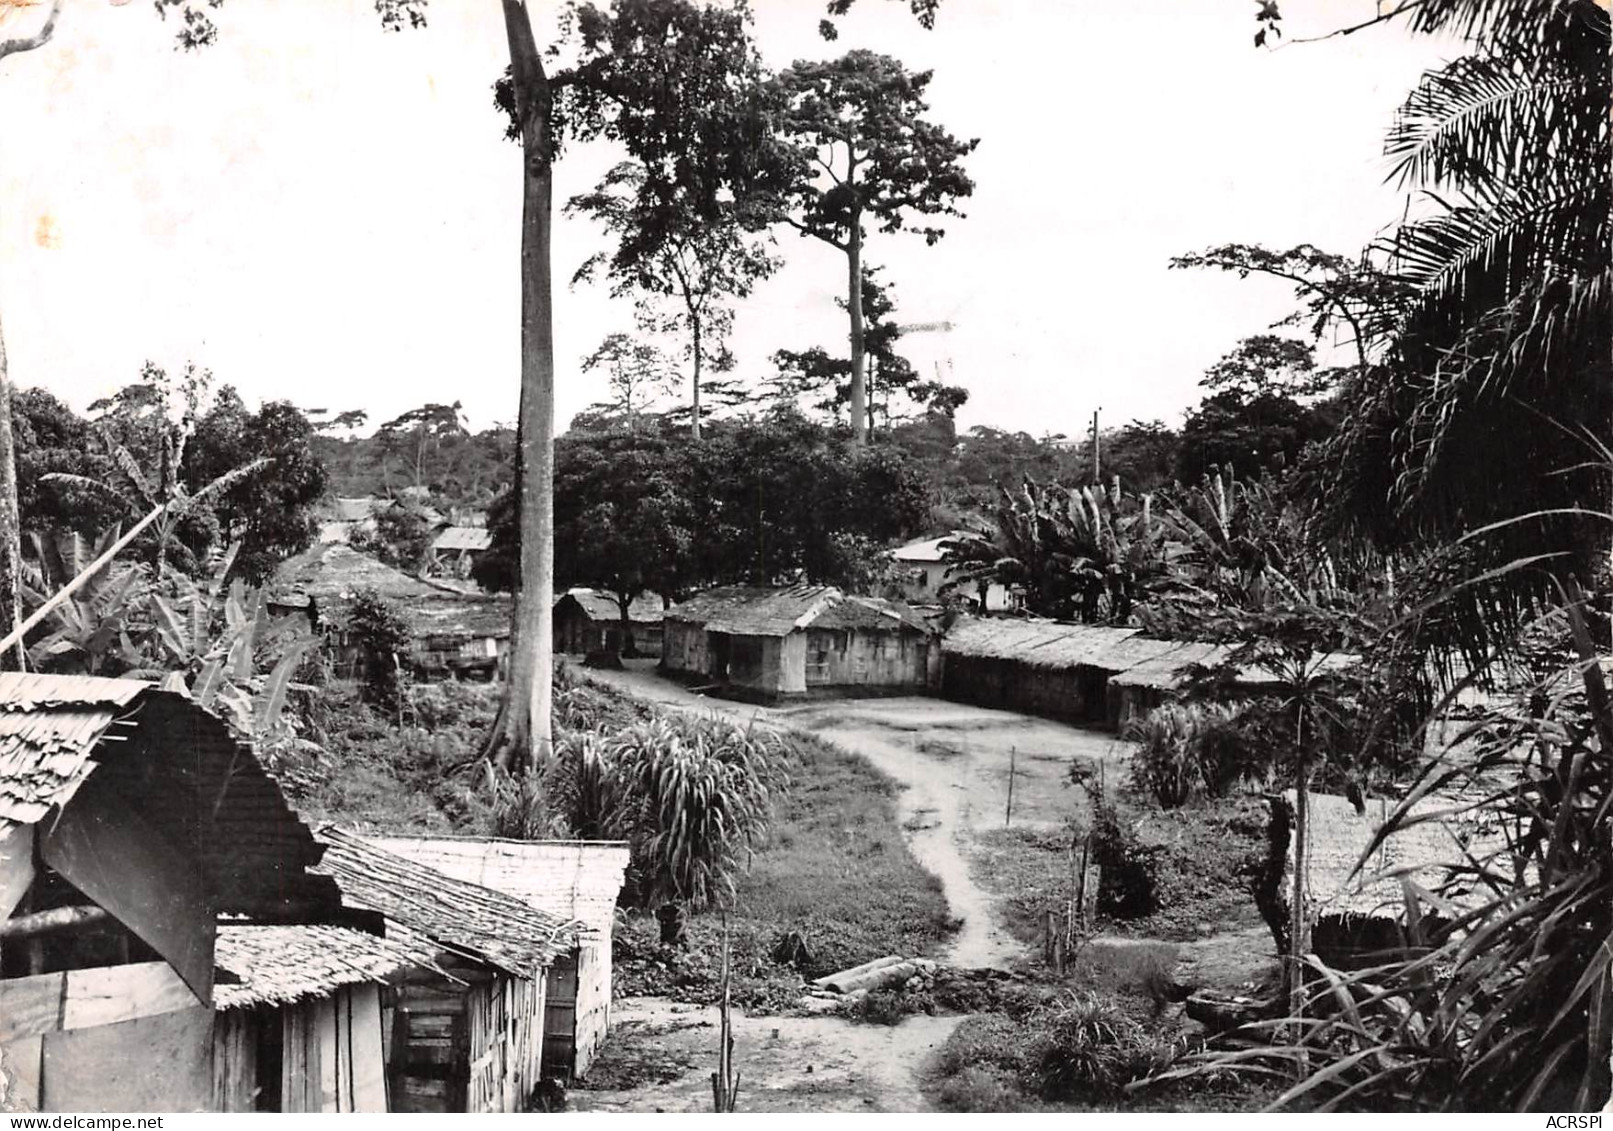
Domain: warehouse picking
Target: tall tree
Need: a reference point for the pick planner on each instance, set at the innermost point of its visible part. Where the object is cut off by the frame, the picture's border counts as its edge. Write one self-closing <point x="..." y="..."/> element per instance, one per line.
<point x="10" y="518"/>
<point x="667" y="251"/>
<point x="865" y="155"/>
<point x="689" y="211"/>
<point x="636" y="373"/>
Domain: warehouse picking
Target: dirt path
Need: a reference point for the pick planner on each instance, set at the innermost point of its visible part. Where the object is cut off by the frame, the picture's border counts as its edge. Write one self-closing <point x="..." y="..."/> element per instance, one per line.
<point x="953" y="762"/>
<point x="817" y="1064"/>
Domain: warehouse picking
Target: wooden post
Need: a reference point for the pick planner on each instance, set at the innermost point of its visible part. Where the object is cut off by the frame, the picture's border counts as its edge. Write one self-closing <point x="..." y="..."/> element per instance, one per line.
<point x="1013" y="758"/>
<point x="725" y="1081"/>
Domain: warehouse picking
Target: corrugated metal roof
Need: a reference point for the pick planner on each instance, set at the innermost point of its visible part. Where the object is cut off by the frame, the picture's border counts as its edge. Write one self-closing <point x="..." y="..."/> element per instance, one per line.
<point x="646" y="608"/>
<point x="456" y="538"/>
<point x="467" y="919"/>
<point x="571" y="879"/>
<point x="277" y="965"/>
<point x="746" y="611"/>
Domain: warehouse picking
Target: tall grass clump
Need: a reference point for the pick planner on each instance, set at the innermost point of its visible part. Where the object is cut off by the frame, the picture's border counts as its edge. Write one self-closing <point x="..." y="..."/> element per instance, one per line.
<point x="692" y="796"/>
<point x="1187" y="750"/>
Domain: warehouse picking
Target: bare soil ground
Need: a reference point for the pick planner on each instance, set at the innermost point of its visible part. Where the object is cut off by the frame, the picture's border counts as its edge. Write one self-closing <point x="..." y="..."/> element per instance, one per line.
<point x="660" y="1057"/>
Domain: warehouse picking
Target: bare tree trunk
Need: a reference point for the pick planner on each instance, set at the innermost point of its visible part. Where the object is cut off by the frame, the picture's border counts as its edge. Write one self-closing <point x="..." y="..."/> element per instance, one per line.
<point x="1298" y="936"/>
<point x="854" y="303"/>
<point x="522" y="735"/>
<point x="10" y="525"/>
<point x="698" y="345"/>
<point x="10" y="516"/>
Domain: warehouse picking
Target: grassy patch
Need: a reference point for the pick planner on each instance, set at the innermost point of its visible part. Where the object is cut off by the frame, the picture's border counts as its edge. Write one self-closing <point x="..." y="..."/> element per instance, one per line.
<point x="833" y="845"/>
<point x="1077" y="1053"/>
<point x="1203" y="849"/>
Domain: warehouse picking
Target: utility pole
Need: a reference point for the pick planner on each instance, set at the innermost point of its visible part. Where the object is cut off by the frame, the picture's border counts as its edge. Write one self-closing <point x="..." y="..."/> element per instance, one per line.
<point x="1097" y="464"/>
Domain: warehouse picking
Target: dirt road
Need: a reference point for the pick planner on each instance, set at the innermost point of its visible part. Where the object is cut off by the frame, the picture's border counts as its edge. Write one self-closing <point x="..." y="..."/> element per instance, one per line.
<point x="953" y="763"/>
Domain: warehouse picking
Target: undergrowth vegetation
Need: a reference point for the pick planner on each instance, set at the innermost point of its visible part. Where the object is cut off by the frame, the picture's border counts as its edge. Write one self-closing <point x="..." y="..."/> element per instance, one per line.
<point x="802" y="830"/>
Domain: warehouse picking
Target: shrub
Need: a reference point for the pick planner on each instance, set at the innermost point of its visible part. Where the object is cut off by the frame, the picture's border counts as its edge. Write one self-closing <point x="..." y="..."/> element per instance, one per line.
<point x="1164" y="766"/>
<point x="1089" y="1048"/>
<point x="1128" y="883"/>
<point x="1188" y="749"/>
<point x="981" y="1089"/>
<point x="880" y="1007"/>
<point x="691" y="795"/>
<point x="383" y="636"/>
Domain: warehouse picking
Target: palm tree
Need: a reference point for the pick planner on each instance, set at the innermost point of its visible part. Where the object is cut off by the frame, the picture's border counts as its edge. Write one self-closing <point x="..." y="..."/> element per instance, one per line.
<point x="1502" y="362"/>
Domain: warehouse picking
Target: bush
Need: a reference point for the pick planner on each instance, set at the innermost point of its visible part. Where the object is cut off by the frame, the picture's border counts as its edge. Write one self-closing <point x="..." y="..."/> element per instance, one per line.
<point x="880" y="1007"/>
<point x="1128" y="883"/>
<point x="691" y="795"/>
<point x="1192" y="749"/>
<point x="981" y="1089"/>
<point x="383" y="636"/>
<point x="1164" y="766"/>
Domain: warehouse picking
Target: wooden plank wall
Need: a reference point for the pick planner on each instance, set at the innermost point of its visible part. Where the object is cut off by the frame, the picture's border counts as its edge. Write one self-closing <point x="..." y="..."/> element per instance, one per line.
<point x="505" y="1022"/>
<point x="235" y="1061"/>
<point x="593" y="1002"/>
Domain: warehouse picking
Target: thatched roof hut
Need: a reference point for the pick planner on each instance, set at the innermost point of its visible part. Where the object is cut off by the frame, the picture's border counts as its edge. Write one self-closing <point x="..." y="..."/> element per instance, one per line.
<point x="1423" y="850"/>
<point x="771" y="642"/>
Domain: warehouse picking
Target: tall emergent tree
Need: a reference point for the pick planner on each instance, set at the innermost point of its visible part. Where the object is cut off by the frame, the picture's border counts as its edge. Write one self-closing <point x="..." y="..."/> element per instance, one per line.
<point x="10" y="520"/>
<point x="865" y="155"/>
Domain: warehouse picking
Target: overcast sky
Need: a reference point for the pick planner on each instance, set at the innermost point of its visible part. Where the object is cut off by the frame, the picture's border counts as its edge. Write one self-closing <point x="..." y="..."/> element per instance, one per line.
<point x="322" y="212"/>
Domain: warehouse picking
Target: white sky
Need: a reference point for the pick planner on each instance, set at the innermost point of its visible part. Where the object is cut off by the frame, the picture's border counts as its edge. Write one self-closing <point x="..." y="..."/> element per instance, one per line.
<point x="322" y="212"/>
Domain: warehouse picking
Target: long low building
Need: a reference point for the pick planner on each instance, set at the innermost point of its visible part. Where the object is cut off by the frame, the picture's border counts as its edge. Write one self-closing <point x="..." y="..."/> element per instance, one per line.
<point x="1082" y="673"/>
<point x="772" y="643"/>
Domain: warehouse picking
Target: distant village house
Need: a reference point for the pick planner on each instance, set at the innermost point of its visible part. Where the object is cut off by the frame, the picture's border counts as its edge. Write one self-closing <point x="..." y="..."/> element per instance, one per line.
<point x="771" y="643"/>
<point x="590" y="620"/>
<point x="922" y="569"/>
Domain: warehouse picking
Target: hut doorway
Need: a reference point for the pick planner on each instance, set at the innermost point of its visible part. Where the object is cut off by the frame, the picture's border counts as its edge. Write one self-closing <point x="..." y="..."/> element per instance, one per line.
<point x="428" y="1069"/>
<point x="560" y="1018"/>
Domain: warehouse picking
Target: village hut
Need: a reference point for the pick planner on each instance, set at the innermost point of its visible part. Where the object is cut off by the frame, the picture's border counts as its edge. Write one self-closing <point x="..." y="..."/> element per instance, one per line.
<point x="1160" y="671"/>
<point x="299" y="1025"/>
<point x="465" y="1034"/>
<point x="573" y="880"/>
<point x="130" y="820"/>
<point x="590" y="620"/>
<point x="452" y="633"/>
<point x="456" y="549"/>
<point x="1036" y="666"/>
<point x="770" y="643"/>
<point x="1358" y="913"/>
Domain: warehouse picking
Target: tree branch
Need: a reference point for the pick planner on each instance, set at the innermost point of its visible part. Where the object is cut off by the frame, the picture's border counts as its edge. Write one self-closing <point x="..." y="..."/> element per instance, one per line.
<point x="39" y="39"/>
<point x="1382" y="18"/>
<point x="817" y="235"/>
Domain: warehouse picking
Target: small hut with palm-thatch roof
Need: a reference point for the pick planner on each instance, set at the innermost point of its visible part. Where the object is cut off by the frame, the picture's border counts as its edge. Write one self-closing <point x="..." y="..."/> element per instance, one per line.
<point x="1359" y="907"/>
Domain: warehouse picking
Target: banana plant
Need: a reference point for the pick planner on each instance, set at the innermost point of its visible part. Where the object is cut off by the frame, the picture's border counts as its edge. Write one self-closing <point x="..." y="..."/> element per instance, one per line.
<point x="166" y="489"/>
<point x="90" y="629"/>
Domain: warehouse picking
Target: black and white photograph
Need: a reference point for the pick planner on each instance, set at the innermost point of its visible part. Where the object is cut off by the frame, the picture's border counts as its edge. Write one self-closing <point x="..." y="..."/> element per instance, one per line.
<point x="583" y="557"/>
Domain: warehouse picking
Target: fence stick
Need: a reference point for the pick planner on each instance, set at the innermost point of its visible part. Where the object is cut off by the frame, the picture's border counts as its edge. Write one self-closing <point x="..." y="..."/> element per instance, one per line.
<point x="1013" y="757"/>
